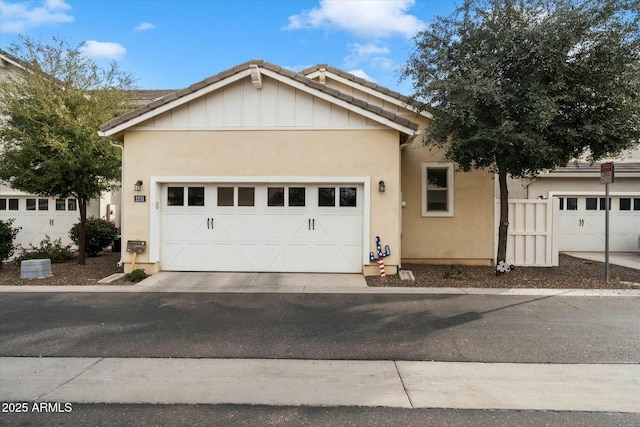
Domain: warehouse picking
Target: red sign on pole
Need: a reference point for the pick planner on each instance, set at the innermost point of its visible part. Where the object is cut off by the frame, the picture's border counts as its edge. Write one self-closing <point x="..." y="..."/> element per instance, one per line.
<point x="607" y="173"/>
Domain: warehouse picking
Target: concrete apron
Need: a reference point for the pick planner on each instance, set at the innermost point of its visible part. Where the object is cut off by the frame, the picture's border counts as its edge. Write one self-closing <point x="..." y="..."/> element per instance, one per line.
<point x="250" y="282"/>
<point x="459" y="385"/>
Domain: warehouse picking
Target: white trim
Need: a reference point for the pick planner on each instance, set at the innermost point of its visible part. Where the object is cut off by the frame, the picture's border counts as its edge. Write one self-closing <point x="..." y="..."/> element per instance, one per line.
<point x="450" y="189"/>
<point x="253" y="128"/>
<point x="155" y="200"/>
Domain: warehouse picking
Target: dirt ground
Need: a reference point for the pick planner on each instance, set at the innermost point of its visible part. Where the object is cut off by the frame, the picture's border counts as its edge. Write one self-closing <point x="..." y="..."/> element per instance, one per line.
<point x="573" y="273"/>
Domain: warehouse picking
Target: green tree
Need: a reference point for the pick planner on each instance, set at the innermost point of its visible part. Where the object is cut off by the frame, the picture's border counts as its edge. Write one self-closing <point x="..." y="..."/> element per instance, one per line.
<point x="49" y="143"/>
<point x="517" y="87"/>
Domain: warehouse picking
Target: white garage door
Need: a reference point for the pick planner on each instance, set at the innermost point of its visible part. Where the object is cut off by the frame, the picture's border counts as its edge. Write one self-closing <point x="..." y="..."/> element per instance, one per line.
<point x="274" y="228"/>
<point x="40" y="217"/>
<point x="582" y="223"/>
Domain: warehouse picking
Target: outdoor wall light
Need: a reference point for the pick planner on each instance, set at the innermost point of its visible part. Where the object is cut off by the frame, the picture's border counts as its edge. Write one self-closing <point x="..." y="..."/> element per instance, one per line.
<point x="381" y="186"/>
<point x="138" y="185"/>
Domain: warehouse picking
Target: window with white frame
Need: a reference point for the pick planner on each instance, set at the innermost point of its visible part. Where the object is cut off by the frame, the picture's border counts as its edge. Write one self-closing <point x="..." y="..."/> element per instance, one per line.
<point x="437" y="189"/>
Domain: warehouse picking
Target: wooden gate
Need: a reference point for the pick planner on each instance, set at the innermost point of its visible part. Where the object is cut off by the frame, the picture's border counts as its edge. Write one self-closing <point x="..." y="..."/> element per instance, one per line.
<point x="532" y="238"/>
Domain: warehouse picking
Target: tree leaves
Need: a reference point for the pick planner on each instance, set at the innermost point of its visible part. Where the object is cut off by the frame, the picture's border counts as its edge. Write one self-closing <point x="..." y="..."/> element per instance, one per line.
<point x="527" y="85"/>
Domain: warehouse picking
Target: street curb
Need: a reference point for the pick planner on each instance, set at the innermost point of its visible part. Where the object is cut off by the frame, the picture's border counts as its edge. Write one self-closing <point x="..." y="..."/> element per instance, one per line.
<point x="140" y="288"/>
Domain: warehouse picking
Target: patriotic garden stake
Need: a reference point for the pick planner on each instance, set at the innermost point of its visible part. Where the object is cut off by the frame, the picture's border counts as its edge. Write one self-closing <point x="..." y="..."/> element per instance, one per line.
<point x="381" y="255"/>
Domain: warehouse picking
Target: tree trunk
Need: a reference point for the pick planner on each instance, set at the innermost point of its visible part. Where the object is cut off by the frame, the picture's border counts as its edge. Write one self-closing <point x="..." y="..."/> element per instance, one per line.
<point x="504" y="218"/>
<point x="82" y="201"/>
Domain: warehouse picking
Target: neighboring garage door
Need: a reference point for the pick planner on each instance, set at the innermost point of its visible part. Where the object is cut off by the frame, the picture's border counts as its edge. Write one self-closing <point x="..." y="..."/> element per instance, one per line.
<point x="582" y="224"/>
<point x="275" y="228"/>
<point x="40" y="217"/>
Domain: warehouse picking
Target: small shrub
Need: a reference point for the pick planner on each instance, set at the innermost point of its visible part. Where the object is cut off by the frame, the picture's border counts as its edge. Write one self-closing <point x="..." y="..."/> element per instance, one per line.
<point x="136" y="275"/>
<point x="454" y="272"/>
<point x="100" y="234"/>
<point x="55" y="251"/>
<point x="7" y="236"/>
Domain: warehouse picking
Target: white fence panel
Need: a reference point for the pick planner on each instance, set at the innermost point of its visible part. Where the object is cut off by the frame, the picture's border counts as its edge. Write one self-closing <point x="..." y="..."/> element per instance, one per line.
<point x="532" y="237"/>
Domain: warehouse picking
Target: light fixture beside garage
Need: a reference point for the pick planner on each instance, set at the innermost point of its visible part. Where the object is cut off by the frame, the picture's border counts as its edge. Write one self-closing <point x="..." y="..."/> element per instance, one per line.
<point x="381" y="186"/>
<point x="138" y="185"/>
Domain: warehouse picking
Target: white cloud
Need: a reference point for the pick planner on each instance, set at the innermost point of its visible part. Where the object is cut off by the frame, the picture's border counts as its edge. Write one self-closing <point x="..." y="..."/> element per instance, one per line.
<point x="103" y="50"/>
<point x="367" y="18"/>
<point x="20" y="16"/>
<point x="145" y="26"/>
<point x="360" y="73"/>
<point x="367" y="53"/>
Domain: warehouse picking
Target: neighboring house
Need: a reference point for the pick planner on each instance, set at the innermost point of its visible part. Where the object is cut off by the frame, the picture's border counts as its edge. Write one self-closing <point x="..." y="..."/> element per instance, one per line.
<point x="582" y="204"/>
<point x="41" y="216"/>
<point x="260" y="168"/>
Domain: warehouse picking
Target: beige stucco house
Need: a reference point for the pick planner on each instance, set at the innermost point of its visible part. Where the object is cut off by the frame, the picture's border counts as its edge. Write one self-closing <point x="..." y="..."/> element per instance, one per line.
<point x="260" y="168"/>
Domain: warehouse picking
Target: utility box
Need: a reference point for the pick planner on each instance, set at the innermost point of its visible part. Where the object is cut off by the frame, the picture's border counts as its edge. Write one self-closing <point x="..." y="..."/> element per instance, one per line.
<point x="35" y="269"/>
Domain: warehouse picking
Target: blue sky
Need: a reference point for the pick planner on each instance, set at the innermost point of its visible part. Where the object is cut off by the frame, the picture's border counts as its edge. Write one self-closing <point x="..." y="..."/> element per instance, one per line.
<point x="170" y="44"/>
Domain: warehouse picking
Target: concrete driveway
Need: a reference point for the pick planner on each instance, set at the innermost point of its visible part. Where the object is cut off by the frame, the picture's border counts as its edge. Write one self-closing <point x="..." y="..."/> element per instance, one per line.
<point x="252" y="282"/>
<point x="624" y="259"/>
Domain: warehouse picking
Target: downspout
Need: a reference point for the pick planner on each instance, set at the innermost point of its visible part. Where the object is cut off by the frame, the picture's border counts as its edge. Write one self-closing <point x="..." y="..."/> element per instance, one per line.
<point x="121" y="147"/>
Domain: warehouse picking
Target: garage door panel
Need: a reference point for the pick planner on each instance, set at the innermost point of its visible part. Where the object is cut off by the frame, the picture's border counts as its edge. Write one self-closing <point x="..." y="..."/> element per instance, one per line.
<point x="231" y="257"/>
<point x="583" y="229"/>
<point x="296" y="236"/>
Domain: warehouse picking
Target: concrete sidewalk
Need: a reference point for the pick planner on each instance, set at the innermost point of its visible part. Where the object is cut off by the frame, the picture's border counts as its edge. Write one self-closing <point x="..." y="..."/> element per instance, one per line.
<point x="467" y="385"/>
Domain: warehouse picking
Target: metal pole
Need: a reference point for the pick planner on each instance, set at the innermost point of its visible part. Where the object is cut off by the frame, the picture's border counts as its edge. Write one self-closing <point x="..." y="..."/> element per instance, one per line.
<point x="606" y="232"/>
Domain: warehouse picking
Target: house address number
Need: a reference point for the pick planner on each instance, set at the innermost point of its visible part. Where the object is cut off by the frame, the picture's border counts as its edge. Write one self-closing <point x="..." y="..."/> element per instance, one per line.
<point x="140" y="198"/>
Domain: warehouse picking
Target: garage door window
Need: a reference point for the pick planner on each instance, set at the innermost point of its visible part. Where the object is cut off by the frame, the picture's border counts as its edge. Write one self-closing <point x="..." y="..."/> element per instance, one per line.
<point x="602" y="204"/>
<point x="175" y="196"/>
<point x="297" y="196"/>
<point x="66" y="204"/>
<point x="636" y="204"/>
<point x="572" y="203"/>
<point x="8" y="204"/>
<point x="41" y="204"/>
<point x="225" y="196"/>
<point x="195" y="196"/>
<point x="246" y="196"/>
<point x="592" y="203"/>
<point x="326" y="196"/>
<point x="625" y="204"/>
<point x="276" y="196"/>
<point x="348" y="197"/>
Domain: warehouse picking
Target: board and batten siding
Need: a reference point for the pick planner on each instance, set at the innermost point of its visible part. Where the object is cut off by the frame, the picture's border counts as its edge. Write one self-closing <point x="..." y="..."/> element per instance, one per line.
<point x="241" y="105"/>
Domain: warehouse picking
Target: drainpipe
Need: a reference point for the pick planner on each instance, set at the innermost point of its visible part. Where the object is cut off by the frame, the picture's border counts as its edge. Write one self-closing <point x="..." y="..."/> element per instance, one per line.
<point x="121" y="147"/>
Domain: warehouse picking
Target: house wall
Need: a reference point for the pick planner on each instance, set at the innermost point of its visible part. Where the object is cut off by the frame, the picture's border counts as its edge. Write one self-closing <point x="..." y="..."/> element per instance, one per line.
<point x="464" y="238"/>
<point x="246" y="153"/>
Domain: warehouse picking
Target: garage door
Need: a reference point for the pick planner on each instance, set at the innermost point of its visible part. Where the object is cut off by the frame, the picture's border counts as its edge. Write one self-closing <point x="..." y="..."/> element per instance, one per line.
<point x="271" y="228"/>
<point x="39" y="217"/>
<point x="582" y="224"/>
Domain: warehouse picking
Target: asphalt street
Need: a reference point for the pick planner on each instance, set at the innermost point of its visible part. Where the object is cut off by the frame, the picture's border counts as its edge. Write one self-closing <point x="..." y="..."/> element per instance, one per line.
<point x="478" y="328"/>
<point x="387" y="328"/>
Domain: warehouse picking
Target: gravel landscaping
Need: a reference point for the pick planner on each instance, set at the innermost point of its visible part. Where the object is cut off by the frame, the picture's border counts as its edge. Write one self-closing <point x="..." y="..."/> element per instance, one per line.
<point x="573" y="273"/>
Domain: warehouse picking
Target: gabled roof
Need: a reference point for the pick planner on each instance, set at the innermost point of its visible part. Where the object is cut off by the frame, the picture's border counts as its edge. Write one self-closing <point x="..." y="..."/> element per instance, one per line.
<point x="255" y="69"/>
<point x="321" y="70"/>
